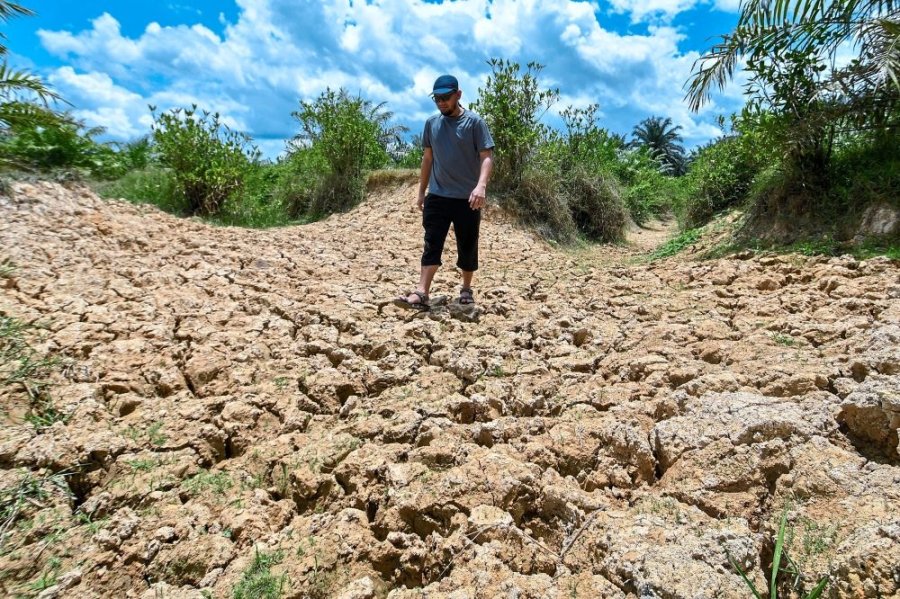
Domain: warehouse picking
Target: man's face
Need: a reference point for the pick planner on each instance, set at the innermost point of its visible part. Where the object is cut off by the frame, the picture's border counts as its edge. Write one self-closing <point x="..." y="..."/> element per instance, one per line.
<point x="447" y="103"/>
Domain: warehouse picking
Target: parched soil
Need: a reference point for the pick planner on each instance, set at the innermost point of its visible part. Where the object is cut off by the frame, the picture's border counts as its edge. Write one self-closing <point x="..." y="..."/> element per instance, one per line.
<point x="238" y="413"/>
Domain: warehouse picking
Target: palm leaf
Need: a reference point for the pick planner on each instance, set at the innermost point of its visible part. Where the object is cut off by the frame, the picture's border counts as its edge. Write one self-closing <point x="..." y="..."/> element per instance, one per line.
<point x="14" y="83"/>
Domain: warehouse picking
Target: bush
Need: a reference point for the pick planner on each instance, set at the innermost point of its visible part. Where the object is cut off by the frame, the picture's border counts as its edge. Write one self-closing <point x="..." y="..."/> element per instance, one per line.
<point x="512" y="105"/>
<point x="152" y="185"/>
<point x="37" y="138"/>
<point x="539" y="203"/>
<point x="257" y="204"/>
<point x="341" y="138"/>
<point x="647" y="191"/>
<point x="596" y="205"/>
<point x="208" y="160"/>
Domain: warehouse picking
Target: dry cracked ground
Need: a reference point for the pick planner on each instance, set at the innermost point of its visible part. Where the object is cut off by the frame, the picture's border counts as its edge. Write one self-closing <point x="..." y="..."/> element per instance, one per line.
<point x="237" y="413"/>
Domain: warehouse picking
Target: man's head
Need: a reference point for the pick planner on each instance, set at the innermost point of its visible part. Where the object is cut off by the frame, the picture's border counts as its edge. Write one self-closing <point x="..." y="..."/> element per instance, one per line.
<point x="446" y="94"/>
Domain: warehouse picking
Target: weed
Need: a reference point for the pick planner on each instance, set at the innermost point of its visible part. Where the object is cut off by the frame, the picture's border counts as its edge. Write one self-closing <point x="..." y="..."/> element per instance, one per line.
<point x="281" y="383"/>
<point x="48" y="578"/>
<point x="142" y="465"/>
<point x="93" y="526"/>
<point x="28" y="491"/>
<point x="785" y="340"/>
<point x="155" y="434"/>
<point x="7" y="269"/>
<point x="258" y="582"/>
<point x="817" y="538"/>
<point x="779" y="556"/>
<point x="20" y="364"/>
<point x="217" y="482"/>
<point x="676" y="245"/>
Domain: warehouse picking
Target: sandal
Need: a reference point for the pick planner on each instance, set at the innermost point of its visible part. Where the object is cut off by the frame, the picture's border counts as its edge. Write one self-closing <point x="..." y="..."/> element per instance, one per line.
<point x="403" y="300"/>
<point x="465" y="296"/>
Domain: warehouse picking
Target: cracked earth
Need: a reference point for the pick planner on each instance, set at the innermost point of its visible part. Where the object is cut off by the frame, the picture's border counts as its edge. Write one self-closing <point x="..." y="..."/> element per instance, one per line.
<point x="597" y="426"/>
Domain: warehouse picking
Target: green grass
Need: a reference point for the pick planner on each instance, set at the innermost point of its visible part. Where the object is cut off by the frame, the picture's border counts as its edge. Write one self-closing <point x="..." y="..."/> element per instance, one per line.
<point x="677" y="244"/>
<point x="28" y="491"/>
<point x="21" y="366"/>
<point x="153" y="185"/>
<point x="258" y="582"/>
<point x="781" y="563"/>
<point x="7" y="269"/>
<point x="216" y="482"/>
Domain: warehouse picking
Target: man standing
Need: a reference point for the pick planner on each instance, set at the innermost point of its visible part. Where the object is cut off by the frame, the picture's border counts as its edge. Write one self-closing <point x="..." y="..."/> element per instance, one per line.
<point x="456" y="167"/>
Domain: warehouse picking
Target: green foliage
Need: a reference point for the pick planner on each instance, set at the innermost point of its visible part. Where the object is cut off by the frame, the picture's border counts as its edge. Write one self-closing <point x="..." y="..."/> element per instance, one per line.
<point x="37" y="138"/>
<point x="153" y="185"/>
<point x="719" y="177"/>
<point x="258" y="204"/>
<point x="341" y="137"/>
<point x="258" y="582"/>
<point x="208" y="160"/>
<point x="780" y="563"/>
<point x="677" y="244"/>
<point x="662" y="141"/>
<point x="800" y="97"/>
<point x="204" y="481"/>
<point x="410" y="153"/>
<point x="647" y="191"/>
<point x="596" y="205"/>
<point x="513" y="103"/>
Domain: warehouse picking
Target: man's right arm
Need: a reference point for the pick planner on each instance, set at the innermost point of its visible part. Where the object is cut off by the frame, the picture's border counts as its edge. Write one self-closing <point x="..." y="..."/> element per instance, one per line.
<point x="424" y="175"/>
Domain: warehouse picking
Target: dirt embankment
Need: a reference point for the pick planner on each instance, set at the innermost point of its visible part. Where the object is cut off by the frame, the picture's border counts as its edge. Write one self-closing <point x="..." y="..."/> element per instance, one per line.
<point x="246" y="408"/>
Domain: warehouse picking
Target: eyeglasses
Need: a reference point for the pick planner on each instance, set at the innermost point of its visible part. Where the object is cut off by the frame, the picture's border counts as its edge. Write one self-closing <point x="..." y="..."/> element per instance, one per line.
<point x="444" y="97"/>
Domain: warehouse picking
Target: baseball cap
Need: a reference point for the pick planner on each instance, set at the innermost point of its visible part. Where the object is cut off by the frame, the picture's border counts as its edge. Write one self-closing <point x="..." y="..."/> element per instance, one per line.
<point x="445" y="84"/>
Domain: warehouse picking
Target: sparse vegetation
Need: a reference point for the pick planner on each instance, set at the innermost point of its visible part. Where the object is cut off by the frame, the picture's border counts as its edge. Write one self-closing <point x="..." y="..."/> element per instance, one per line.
<point x="258" y="582"/>
<point x="781" y="563"/>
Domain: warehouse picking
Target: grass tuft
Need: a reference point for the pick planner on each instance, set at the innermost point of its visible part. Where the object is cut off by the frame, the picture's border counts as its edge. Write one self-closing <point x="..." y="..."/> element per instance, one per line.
<point x="258" y="582"/>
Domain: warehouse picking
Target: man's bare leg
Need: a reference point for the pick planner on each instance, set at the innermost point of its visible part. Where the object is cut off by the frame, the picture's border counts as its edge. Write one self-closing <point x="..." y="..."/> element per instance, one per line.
<point x="467" y="279"/>
<point x="426" y="276"/>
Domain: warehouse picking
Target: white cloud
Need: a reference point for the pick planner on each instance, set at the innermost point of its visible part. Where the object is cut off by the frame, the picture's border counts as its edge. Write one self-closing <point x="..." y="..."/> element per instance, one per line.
<point x="280" y="51"/>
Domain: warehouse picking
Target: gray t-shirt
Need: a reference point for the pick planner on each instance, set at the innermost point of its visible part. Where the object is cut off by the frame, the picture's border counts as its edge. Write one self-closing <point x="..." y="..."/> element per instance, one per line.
<point x="455" y="143"/>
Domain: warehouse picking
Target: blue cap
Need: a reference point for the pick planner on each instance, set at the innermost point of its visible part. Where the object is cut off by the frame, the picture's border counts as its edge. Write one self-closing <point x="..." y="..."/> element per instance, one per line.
<point x="445" y="84"/>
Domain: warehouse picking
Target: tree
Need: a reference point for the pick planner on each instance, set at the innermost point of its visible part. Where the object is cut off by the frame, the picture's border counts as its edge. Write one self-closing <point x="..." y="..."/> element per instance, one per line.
<point x="16" y="84"/>
<point x="343" y="136"/>
<point x="663" y="142"/>
<point x="768" y="28"/>
<point x="512" y="103"/>
<point x="800" y="97"/>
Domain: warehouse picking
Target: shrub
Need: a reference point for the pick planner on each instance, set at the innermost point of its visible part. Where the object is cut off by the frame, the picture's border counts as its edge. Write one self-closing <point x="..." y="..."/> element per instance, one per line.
<point x="596" y="205"/>
<point x="539" y="203"/>
<point x="208" y="160"/>
<point x="340" y="138"/>
<point x="647" y="191"/>
<point x="37" y="138"/>
<point x="513" y="104"/>
<point x="257" y="204"/>
<point x="152" y="185"/>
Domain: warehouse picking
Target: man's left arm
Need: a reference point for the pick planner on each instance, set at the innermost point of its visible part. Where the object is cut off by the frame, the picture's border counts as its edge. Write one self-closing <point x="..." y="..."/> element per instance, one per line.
<point x="477" y="197"/>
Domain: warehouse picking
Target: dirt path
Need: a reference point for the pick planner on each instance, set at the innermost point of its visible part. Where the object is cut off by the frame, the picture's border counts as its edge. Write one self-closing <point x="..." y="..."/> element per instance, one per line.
<point x="242" y="410"/>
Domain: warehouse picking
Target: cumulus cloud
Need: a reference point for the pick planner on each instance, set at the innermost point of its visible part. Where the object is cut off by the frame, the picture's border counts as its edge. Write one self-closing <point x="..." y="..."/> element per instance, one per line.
<point x="278" y="52"/>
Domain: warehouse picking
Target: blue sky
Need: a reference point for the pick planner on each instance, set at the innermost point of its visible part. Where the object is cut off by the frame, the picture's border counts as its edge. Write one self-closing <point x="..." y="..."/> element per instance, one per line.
<point x="254" y="60"/>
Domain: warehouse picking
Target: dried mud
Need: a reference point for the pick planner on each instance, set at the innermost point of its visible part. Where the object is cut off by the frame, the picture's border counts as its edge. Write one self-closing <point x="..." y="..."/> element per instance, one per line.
<point x="597" y="426"/>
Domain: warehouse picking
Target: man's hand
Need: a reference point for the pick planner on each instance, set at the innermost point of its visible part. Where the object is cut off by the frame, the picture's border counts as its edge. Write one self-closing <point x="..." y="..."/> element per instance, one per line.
<point x="476" y="198"/>
<point x="420" y="202"/>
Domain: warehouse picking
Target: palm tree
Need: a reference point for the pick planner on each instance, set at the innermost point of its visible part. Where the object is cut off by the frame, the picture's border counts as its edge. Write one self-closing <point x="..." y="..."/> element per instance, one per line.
<point x="16" y="84"/>
<point x="663" y="141"/>
<point x="814" y="28"/>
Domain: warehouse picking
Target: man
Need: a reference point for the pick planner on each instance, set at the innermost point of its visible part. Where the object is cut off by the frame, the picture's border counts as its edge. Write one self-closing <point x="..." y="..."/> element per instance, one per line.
<point x="456" y="167"/>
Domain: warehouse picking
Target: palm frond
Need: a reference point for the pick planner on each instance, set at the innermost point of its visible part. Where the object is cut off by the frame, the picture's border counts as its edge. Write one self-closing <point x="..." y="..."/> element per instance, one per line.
<point x="13" y="84"/>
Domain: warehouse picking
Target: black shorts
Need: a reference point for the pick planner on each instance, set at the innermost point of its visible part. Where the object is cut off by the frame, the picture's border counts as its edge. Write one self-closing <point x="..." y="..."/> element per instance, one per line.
<point x="437" y="216"/>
